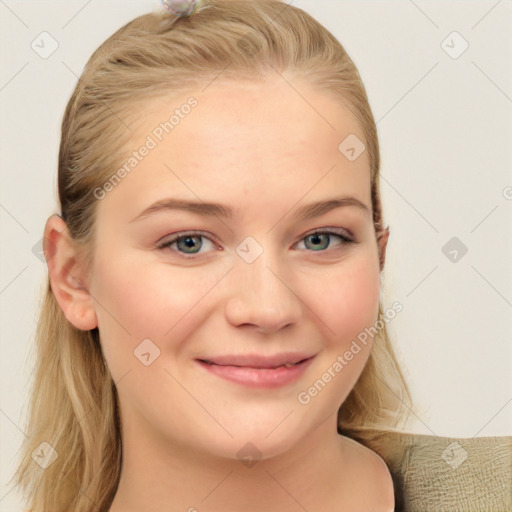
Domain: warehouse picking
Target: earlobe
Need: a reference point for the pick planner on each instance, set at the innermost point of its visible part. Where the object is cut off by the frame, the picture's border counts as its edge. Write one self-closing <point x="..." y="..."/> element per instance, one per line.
<point x="382" y="240"/>
<point x="67" y="277"/>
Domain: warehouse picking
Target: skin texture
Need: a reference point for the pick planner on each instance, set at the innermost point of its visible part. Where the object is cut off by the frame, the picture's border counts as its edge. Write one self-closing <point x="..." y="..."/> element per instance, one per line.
<point x="264" y="150"/>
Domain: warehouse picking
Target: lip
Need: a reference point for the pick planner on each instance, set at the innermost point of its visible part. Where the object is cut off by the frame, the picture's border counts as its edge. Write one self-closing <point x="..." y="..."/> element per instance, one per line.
<point x="258" y="371"/>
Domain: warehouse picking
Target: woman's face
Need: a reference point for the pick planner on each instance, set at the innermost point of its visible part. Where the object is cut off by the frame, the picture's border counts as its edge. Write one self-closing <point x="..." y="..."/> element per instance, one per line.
<point x="247" y="292"/>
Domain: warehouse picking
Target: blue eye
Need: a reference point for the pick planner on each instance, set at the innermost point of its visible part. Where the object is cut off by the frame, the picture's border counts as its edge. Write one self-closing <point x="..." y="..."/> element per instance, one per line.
<point x="190" y="243"/>
<point x="322" y="239"/>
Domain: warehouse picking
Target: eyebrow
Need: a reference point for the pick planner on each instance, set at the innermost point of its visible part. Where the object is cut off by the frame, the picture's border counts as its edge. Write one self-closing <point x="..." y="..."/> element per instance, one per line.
<point x="308" y="211"/>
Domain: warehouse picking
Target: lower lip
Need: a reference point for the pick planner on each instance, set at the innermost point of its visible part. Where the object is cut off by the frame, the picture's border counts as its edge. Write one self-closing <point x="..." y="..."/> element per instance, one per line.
<point x="259" y="377"/>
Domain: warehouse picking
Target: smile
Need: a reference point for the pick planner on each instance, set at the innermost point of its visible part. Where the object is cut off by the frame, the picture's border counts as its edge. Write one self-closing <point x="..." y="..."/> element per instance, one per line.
<point x="256" y="371"/>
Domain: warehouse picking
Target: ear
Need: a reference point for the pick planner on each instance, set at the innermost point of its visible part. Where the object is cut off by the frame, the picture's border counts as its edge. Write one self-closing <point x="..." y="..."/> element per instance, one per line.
<point x="382" y="240"/>
<point x="67" y="276"/>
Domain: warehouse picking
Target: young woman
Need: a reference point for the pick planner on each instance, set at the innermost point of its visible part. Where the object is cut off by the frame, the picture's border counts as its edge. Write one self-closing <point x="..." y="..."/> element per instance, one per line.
<point x="212" y="336"/>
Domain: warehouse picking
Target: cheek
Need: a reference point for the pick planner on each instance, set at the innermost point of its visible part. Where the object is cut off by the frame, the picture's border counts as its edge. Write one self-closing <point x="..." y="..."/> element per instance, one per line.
<point x="136" y="301"/>
<point x="347" y="307"/>
<point x="348" y="300"/>
<point x="127" y="308"/>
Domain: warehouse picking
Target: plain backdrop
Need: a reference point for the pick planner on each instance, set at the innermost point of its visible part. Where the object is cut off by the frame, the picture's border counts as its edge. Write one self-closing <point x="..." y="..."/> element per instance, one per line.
<point x="439" y="79"/>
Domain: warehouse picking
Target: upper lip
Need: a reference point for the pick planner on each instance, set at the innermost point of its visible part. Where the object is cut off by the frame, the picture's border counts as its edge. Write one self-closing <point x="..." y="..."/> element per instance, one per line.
<point x="258" y="361"/>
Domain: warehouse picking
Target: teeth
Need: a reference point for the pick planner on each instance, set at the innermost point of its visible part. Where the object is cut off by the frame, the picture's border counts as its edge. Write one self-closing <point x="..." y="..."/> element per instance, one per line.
<point x="286" y="365"/>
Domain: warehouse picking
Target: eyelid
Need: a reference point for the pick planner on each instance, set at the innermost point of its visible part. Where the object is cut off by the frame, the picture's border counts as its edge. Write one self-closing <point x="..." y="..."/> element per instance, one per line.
<point x="180" y="234"/>
<point x="328" y="230"/>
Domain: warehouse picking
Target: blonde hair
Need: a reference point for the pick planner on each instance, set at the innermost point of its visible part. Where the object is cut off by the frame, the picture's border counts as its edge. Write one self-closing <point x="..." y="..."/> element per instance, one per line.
<point x="73" y="403"/>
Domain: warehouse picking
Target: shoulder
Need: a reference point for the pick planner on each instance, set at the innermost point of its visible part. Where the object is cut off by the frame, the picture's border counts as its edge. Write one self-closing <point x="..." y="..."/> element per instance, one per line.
<point x="372" y="475"/>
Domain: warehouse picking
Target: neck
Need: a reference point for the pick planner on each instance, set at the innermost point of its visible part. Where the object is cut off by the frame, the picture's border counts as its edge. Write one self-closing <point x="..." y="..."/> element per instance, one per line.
<point x="159" y="476"/>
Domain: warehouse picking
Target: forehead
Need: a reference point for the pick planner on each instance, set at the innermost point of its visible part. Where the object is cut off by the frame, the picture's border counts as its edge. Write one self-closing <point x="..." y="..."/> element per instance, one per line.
<point x="249" y="111"/>
<point x="272" y="139"/>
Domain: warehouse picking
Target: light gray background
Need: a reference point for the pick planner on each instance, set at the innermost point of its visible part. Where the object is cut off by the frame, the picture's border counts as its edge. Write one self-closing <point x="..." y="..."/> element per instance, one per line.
<point x="445" y="128"/>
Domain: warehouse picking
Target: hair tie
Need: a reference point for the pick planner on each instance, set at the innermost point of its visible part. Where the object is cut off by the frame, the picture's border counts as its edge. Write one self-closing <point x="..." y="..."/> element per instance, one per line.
<point x="180" y="7"/>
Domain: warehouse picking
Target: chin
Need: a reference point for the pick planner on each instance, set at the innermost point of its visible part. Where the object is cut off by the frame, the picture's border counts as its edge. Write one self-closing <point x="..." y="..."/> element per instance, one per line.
<point x="254" y="441"/>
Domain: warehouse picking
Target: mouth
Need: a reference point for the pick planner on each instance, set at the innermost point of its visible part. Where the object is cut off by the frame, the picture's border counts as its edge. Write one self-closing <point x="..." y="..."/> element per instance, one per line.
<point x="258" y="367"/>
<point x="258" y="371"/>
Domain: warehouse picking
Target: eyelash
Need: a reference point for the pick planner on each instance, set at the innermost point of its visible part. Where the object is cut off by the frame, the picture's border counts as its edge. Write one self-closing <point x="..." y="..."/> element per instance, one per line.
<point x="345" y="240"/>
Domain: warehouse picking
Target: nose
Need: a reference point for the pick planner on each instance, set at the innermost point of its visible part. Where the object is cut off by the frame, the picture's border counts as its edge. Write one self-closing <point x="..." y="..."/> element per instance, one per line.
<point x="262" y="295"/>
